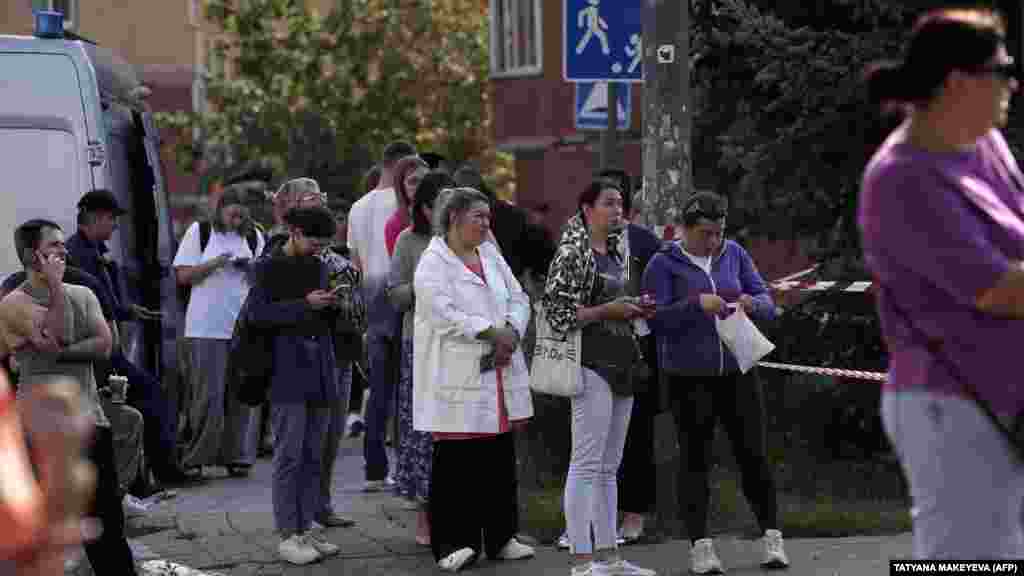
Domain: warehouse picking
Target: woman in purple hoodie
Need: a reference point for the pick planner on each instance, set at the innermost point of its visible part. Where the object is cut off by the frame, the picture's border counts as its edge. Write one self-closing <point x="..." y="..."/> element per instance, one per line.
<point x="693" y="281"/>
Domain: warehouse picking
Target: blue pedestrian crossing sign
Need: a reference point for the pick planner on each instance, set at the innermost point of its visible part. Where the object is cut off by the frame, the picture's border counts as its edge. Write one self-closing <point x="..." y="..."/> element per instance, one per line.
<point x="603" y="40"/>
<point x="592" y="106"/>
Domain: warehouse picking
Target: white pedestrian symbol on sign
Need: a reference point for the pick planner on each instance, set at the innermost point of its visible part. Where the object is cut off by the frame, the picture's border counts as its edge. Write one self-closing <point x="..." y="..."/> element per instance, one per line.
<point x="595" y="25"/>
<point x="634" y="51"/>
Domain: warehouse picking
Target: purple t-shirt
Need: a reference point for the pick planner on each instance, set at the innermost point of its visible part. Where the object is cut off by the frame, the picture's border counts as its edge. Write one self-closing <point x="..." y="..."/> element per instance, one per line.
<point x="939" y="229"/>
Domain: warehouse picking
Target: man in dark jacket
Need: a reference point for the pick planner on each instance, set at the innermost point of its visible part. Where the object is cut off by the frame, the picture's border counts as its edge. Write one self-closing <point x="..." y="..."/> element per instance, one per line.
<point x="98" y="212"/>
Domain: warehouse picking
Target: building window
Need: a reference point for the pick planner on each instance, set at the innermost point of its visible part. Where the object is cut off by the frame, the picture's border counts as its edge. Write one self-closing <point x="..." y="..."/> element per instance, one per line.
<point x="193" y="12"/>
<point x="516" y="37"/>
<point x="68" y="7"/>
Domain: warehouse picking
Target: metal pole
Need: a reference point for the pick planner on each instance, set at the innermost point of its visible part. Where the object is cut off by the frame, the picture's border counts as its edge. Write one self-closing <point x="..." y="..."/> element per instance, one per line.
<point x="609" y="138"/>
<point x="667" y="183"/>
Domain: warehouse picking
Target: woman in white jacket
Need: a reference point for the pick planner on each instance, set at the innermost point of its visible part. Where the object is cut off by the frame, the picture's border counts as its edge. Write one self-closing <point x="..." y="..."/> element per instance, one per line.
<point x="470" y="383"/>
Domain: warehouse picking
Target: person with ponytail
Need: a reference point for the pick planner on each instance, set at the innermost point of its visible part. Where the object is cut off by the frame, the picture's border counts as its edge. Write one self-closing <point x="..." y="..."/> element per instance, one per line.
<point x="941" y="214"/>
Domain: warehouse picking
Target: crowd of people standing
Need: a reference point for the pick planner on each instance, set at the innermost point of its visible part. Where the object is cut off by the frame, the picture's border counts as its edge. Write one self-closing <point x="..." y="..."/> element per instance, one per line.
<point x="429" y="281"/>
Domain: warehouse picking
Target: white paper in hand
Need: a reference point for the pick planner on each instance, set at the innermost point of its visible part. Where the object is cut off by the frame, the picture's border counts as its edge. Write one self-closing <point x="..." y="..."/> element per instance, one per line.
<point x="744" y="340"/>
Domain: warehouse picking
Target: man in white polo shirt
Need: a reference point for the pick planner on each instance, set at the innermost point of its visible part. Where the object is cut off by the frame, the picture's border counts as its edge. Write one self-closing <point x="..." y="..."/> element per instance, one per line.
<point x="366" y="222"/>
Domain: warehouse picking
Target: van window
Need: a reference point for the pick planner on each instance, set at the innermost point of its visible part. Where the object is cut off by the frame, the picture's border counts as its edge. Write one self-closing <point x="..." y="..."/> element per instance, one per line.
<point x="40" y="181"/>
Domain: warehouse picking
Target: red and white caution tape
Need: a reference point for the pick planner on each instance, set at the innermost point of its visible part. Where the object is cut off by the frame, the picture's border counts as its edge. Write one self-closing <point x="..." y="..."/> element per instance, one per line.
<point x="821" y="286"/>
<point x="838" y="372"/>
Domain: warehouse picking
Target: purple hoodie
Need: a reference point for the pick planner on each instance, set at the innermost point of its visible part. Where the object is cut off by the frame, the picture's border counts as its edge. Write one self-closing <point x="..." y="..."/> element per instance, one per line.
<point x="688" y="343"/>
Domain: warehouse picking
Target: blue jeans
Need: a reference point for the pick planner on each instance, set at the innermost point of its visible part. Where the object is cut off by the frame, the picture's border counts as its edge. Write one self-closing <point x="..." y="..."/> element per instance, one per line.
<point x="383" y="376"/>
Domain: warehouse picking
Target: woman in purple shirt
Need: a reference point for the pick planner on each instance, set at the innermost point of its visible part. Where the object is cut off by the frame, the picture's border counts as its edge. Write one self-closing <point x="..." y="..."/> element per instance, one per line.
<point x="942" y="219"/>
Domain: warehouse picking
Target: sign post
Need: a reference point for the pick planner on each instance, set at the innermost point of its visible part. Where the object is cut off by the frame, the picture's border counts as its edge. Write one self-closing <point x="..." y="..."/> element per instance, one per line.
<point x="604" y="43"/>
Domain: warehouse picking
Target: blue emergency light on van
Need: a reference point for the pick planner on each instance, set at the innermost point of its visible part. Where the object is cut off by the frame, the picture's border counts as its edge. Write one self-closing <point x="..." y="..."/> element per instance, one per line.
<point x="49" y="24"/>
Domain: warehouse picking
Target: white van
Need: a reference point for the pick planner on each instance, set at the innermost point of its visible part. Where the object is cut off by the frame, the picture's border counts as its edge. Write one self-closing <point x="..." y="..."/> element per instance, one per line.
<point x="72" y="120"/>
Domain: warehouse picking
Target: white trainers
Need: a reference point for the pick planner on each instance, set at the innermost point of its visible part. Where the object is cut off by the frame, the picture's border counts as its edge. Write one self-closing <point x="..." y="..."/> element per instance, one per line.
<point x="297" y="550"/>
<point x="703" y="559"/>
<point x="322" y="546"/>
<point x="515" y="550"/>
<point x="620" y="567"/>
<point x="456" y="560"/>
<point x="774" y="557"/>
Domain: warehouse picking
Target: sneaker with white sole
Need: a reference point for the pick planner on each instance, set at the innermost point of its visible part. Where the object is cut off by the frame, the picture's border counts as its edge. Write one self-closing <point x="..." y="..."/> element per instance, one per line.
<point x="703" y="559"/>
<point x="515" y="550"/>
<point x="621" y="567"/>
<point x="322" y="546"/>
<point x="774" y="557"/>
<point x="297" y="550"/>
<point x="456" y="560"/>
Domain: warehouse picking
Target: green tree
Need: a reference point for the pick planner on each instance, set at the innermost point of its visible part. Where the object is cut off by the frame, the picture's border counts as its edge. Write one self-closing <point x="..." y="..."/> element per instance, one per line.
<point x="782" y="125"/>
<point x="320" y="95"/>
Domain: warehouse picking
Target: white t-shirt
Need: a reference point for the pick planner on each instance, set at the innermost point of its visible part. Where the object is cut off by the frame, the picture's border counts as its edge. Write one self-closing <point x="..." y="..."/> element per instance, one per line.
<point x="215" y="302"/>
<point x="366" y="222"/>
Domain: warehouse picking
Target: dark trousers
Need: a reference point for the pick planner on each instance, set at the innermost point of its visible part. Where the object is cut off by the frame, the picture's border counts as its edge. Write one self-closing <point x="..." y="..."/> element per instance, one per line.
<point x="109" y="554"/>
<point x="159" y="412"/>
<point x="383" y="375"/>
<point x="473" y="494"/>
<point x="698" y="403"/>
<point x="638" y="473"/>
<point x="355" y="402"/>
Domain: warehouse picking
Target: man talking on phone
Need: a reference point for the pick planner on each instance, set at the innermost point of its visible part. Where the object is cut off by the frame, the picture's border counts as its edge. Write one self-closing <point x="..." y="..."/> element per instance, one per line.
<point x="62" y="332"/>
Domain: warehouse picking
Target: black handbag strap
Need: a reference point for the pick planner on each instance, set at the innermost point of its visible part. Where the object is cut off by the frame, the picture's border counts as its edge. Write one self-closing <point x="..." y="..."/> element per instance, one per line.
<point x="938" y="351"/>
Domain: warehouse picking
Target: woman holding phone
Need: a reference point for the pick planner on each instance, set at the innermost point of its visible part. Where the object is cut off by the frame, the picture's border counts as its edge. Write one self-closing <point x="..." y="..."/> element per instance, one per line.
<point x="589" y="289"/>
<point x="695" y="280"/>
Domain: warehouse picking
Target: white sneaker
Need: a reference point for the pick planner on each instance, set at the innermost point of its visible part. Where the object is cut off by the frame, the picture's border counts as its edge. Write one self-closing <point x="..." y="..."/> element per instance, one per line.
<point x="133" y="507"/>
<point x="774" y="557"/>
<point x="703" y="559"/>
<point x="379" y="485"/>
<point x="620" y="567"/>
<point x="322" y="546"/>
<point x="563" y="542"/>
<point x="297" y="550"/>
<point x="515" y="550"/>
<point x="456" y="560"/>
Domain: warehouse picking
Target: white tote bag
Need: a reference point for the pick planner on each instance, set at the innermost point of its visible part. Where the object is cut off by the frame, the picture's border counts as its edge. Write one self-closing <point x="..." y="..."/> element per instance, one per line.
<point x="743" y="339"/>
<point x="555" y="369"/>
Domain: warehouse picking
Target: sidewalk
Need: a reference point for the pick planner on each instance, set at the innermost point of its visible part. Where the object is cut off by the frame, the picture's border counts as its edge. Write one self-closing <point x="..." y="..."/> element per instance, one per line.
<point x="226" y="527"/>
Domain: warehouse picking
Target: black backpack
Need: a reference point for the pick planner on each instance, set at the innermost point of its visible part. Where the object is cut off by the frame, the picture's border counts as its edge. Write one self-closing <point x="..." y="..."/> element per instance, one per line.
<point x="205" y="231"/>
<point x="250" y="361"/>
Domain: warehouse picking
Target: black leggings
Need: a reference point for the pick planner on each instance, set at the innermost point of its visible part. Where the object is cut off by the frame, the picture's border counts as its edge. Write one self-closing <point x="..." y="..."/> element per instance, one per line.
<point x="110" y="553"/>
<point x="698" y="403"/>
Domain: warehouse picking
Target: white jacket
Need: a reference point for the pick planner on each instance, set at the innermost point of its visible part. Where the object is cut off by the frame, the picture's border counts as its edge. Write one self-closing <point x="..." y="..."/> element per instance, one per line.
<point x="453" y="305"/>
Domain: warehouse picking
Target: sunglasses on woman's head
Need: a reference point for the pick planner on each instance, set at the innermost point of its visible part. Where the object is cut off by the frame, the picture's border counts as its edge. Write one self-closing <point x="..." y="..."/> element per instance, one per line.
<point x="1005" y="70"/>
<point x="711" y="213"/>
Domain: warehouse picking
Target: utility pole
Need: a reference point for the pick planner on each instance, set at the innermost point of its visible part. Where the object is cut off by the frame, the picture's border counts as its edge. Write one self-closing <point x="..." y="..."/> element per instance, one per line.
<point x="666" y="135"/>
<point x="667" y="184"/>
